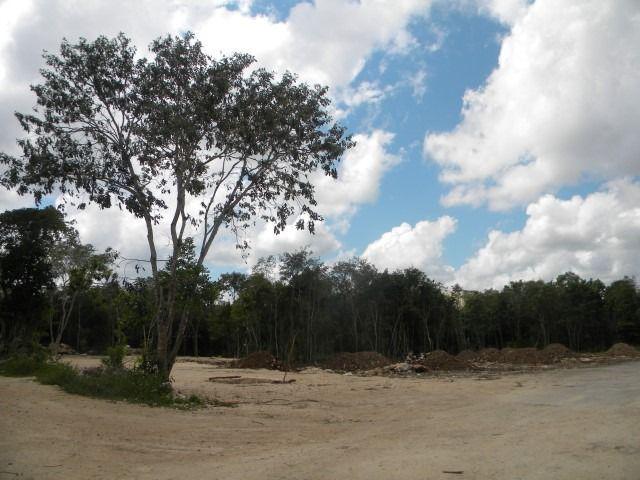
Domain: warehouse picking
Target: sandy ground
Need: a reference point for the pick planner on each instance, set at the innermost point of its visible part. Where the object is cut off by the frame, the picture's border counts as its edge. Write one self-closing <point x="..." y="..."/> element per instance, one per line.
<point x="561" y="424"/>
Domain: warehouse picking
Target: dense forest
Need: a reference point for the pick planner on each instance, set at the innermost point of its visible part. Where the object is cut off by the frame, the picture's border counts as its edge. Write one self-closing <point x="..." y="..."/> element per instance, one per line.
<point x="55" y="290"/>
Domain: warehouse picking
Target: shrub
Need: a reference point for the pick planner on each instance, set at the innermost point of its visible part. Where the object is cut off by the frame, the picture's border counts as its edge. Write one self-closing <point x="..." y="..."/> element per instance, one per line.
<point x="115" y="357"/>
<point x="20" y="366"/>
<point x="136" y="386"/>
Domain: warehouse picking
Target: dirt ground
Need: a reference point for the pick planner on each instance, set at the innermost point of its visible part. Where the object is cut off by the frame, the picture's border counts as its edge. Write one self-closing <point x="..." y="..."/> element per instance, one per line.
<point x="559" y="424"/>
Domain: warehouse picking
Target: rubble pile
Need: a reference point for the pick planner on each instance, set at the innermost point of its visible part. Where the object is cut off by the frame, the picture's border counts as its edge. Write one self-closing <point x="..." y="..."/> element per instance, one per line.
<point x="623" y="350"/>
<point x="521" y="356"/>
<point x="357" y="361"/>
<point x="556" y="352"/>
<point x="467" y="356"/>
<point x="488" y="355"/>
<point x="437" y="360"/>
<point x="261" y="359"/>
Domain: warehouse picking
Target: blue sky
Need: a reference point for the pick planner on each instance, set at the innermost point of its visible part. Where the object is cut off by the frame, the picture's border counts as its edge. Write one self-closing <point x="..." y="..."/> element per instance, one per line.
<point x="496" y="138"/>
<point x="411" y="191"/>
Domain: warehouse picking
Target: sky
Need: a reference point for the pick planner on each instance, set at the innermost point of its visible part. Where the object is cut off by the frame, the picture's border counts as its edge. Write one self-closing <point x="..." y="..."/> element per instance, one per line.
<point x="497" y="140"/>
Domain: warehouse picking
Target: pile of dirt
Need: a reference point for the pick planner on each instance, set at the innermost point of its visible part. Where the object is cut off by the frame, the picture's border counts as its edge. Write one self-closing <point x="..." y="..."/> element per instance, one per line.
<point x="261" y="359"/>
<point x="488" y="355"/>
<point x="438" y="360"/>
<point x="623" y="350"/>
<point x="358" y="361"/>
<point x="467" y="356"/>
<point x="521" y="356"/>
<point x="555" y="352"/>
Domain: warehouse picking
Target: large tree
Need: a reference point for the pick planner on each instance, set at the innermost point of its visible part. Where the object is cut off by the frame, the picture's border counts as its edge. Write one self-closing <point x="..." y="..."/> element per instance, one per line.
<point x="28" y="236"/>
<point x="204" y="144"/>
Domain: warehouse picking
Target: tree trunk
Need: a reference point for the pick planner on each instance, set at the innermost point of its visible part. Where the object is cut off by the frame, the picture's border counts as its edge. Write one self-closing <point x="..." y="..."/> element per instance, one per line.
<point x="64" y="320"/>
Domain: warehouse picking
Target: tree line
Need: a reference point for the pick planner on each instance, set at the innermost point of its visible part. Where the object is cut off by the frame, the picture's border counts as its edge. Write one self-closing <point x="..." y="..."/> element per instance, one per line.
<point x="54" y="289"/>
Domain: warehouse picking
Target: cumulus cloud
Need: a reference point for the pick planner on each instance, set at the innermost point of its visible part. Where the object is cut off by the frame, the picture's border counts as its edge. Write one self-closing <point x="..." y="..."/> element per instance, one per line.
<point x="594" y="236"/>
<point x="418" y="246"/>
<point x="506" y="11"/>
<point x="562" y="105"/>
<point x="325" y="41"/>
<point x="359" y="176"/>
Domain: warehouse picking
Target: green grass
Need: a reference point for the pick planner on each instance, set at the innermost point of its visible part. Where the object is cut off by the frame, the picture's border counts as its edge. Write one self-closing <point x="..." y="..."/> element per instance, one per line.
<point x="133" y="386"/>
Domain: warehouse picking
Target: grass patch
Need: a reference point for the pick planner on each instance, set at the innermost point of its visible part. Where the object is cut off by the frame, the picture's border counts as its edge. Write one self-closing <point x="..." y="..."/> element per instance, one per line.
<point x="133" y="386"/>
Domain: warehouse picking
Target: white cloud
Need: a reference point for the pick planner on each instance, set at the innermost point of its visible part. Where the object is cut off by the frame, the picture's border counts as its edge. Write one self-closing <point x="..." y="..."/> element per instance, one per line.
<point x="419" y="246"/>
<point x="359" y="176"/>
<point x="594" y="236"/>
<point x="506" y="11"/>
<point x="326" y="42"/>
<point x="364" y="92"/>
<point x="562" y="105"/>
<point x="10" y="200"/>
<point x="418" y="83"/>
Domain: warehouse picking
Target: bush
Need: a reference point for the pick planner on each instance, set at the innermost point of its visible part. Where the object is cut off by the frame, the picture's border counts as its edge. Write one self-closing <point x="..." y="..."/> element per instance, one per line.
<point x="115" y="357"/>
<point x="134" y="386"/>
<point x="20" y="366"/>
<point x="54" y="373"/>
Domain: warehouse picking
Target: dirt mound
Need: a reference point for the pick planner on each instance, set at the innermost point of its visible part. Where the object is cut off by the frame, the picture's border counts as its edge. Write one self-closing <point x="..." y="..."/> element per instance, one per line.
<point x="623" y="350"/>
<point x="467" y="356"/>
<point x="351" y="362"/>
<point x="488" y="355"/>
<point x="261" y="359"/>
<point x="555" y="352"/>
<point x="438" y="360"/>
<point x="521" y="356"/>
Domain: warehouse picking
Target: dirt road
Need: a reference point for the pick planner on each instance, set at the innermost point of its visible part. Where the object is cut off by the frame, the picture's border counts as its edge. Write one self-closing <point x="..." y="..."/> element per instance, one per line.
<point x="561" y="424"/>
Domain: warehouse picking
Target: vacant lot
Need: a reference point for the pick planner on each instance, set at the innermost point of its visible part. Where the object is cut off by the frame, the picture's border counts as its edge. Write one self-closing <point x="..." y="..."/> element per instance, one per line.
<point x="560" y="424"/>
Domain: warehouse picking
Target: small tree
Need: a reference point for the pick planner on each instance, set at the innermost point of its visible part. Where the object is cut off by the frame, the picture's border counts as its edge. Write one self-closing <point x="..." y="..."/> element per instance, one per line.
<point x="77" y="267"/>
<point x="207" y="144"/>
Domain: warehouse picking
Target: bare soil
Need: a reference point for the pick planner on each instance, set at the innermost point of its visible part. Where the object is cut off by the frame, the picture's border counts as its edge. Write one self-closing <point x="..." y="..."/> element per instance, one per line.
<point x="579" y="423"/>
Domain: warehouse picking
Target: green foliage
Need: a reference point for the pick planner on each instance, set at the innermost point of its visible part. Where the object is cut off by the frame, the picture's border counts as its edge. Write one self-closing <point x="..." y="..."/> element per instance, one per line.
<point x="115" y="357"/>
<point x="20" y="366"/>
<point x="135" y="386"/>
<point x="28" y="238"/>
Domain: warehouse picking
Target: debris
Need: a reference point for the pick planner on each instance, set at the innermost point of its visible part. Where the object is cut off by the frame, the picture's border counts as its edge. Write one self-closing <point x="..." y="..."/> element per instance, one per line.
<point x="65" y="349"/>
<point x="488" y="355"/>
<point x="556" y="352"/>
<point x="623" y="350"/>
<point x="400" y="367"/>
<point x="261" y="359"/>
<point x="354" y="362"/>
<point x="467" y="356"/>
<point x="436" y="360"/>
<point x="520" y="356"/>
<point x="238" y="380"/>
